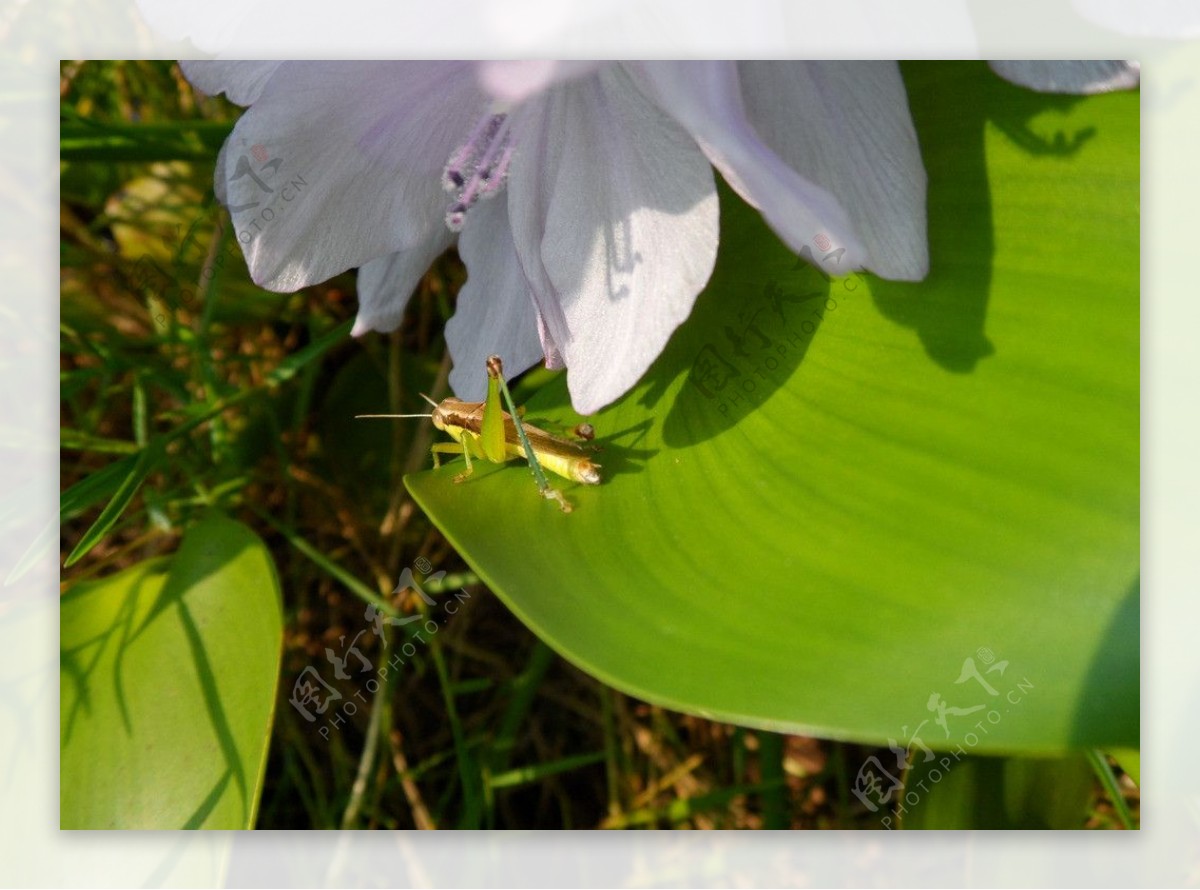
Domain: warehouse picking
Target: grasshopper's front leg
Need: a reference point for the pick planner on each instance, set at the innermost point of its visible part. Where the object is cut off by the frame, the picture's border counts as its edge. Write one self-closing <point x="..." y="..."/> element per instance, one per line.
<point x="453" y="448"/>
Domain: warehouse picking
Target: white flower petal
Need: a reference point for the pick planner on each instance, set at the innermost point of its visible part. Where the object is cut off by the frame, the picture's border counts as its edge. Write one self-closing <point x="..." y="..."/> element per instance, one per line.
<point x="386" y="284"/>
<point x="847" y="127"/>
<point x="513" y="81"/>
<point x="495" y="313"/>
<point x="353" y="153"/>
<point x="705" y="97"/>
<point x="614" y="215"/>
<point x="242" y="81"/>
<point x="1070" y="77"/>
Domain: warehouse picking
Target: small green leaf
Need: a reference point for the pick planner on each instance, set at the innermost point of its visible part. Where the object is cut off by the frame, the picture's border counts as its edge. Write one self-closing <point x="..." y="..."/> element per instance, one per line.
<point x="168" y="675"/>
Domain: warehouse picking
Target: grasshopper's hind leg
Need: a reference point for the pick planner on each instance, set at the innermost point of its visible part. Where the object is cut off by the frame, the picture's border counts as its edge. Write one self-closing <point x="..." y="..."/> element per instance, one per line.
<point x="581" y="434"/>
<point x="553" y="494"/>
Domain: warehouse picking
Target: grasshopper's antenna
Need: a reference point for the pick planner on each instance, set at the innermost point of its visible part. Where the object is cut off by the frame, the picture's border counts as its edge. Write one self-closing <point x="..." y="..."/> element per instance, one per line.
<point x="425" y="397"/>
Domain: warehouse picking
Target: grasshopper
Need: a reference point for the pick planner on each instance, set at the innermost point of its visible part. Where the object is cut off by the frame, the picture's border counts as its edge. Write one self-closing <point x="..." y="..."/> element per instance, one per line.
<point x="484" y="431"/>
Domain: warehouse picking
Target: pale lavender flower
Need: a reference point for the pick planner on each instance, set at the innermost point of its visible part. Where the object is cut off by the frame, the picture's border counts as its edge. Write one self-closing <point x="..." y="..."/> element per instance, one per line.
<point x="580" y="195"/>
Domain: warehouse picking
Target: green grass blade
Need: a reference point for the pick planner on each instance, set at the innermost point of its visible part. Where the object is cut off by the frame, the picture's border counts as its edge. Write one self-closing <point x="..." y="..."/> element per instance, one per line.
<point x="93" y="141"/>
<point x="144" y="463"/>
<point x="526" y="775"/>
<point x="96" y="486"/>
<point x="1108" y="781"/>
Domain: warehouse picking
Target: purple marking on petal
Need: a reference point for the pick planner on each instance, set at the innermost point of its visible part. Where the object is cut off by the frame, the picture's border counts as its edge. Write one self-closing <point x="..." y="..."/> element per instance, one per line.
<point x="478" y="168"/>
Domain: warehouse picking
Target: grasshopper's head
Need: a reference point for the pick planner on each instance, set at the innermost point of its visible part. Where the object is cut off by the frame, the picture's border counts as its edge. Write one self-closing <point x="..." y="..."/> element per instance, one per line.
<point x="440" y="413"/>
<point x="453" y="413"/>
<point x="586" y="471"/>
<point x="439" y="417"/>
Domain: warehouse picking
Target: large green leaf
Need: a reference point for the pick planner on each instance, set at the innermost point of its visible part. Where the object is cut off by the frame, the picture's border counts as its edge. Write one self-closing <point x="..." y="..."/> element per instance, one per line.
<point x="168" y="674"/>
<point x="862" y="509"/>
